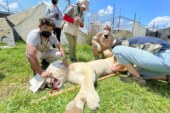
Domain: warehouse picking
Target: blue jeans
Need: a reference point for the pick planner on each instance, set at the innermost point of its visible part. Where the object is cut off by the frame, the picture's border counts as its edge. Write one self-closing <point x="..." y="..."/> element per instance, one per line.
<point x="149" y="65"/>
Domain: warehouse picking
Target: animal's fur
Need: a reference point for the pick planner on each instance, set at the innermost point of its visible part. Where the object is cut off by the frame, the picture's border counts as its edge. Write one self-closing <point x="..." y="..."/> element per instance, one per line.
<point x="84" y="74"/>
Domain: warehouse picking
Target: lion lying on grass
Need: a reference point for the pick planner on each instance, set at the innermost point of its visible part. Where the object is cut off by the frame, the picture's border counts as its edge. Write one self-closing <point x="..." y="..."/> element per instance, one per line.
<point x="84" y="74"/>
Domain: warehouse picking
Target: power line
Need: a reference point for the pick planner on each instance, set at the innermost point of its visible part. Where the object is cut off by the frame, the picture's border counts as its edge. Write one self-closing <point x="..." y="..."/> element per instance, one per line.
<point x="68" y="4"/>
<point x="3" y="6"/>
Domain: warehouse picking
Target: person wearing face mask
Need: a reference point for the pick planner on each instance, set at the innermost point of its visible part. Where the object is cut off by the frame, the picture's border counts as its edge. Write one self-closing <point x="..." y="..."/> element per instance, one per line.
<point x="102" y="43"/>
<point x="39" y="46"/>
<point x="55" y="14"/>
<point x="74" y="18"/>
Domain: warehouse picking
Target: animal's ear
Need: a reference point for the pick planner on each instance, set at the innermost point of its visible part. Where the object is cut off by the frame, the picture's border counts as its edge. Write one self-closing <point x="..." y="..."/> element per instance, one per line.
<point x="63" y="69"/>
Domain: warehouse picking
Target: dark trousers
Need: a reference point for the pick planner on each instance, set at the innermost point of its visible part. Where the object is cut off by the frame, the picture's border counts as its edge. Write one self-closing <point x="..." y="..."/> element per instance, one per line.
<point x="57" y="32"/>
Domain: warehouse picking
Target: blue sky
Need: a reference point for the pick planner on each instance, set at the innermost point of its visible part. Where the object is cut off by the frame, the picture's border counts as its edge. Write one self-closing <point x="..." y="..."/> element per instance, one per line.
<point x="150" y="11"/>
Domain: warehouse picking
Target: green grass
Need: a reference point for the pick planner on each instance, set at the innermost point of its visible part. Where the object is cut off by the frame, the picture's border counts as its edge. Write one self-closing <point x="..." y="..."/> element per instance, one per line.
<point x="116" y="96"/>
<point x="2" y="44"/>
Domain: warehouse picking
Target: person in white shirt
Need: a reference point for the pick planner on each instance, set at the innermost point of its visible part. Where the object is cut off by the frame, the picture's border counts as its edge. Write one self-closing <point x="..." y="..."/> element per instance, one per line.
<point x="39" y="46"/>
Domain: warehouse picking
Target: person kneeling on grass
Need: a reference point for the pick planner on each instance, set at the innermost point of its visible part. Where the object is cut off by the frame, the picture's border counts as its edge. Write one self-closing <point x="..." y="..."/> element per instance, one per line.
<point x="145" y="58"/>
<point x="39" y="46"/>
<point x="102" y="43"/>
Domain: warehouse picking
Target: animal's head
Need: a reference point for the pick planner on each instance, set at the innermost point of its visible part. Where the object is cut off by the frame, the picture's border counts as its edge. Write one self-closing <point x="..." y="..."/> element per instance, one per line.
<point x="59" y="73"/>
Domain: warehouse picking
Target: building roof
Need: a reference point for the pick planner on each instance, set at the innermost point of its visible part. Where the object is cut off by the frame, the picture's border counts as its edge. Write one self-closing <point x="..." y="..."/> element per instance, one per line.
<point x="4" y="14"/>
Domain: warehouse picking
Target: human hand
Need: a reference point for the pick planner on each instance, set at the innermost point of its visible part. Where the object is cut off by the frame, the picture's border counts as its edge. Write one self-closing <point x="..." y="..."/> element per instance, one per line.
<point x="46" y="74"/>
<point x="118" y="68"/>
<point x="65" y="62"/>
<point x="81" y="23"/>
<point x="99" y="48"/>
<point x="53" y="15"/>
<point x="61" y="27"/>
<point x="76" y="20"/>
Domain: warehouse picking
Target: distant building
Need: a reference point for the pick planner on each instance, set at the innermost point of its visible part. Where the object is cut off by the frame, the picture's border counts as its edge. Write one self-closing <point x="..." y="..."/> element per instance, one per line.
<point x="4" y="14"/>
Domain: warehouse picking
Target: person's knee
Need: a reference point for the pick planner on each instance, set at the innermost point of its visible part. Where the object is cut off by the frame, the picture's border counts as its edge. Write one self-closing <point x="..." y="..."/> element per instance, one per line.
<point x="94" y="46"/>
<point x="118" y="50"/>
<point x="107" y="53"/>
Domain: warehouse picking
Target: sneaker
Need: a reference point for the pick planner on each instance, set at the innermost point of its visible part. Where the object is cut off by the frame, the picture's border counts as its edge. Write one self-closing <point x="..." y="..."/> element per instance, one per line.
<point x="140" y="80"/>
<point x="44" y="64"/>
<point x="126" y="79"/>
<point x="73" y="59"/>
<point x="130" y="79"/>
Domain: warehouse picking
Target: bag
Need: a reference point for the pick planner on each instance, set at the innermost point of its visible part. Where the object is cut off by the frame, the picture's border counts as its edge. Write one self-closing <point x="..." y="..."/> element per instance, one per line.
<point x="71" y="29"/>
<point x="150" y="47"/>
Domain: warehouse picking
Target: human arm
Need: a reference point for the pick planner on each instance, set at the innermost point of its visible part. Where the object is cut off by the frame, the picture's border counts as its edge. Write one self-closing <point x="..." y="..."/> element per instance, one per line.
<point x="31" y="51"/>
<point x="70" y="17"/>
<point x="118" y="68"/>
<point x="62" y="25"/>
<point x="95" y="39"/>
<point x="81" y="23"/>
<point x="111" y="40"/>
<point x="49" y="13"/>
<point x="62" y="54"/>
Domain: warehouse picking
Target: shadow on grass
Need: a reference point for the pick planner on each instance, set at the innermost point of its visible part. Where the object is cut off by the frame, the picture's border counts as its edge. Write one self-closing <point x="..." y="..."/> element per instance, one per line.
<point x="2" y="77"/>
<point x="83" y="59"/>
<point x="159" y="87"/>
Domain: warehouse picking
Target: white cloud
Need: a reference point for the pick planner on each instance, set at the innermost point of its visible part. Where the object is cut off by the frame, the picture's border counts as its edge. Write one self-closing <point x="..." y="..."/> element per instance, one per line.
<point x="161" y="22"/>
<point x="130" y="23"/>
<point x="107" y="11"/>
<point x="13" y="5"/>
<point x="101" y="12"/>
<point x="98" y="22"/>
<point x="88" y="14"/>
<point x="2" y="2"/>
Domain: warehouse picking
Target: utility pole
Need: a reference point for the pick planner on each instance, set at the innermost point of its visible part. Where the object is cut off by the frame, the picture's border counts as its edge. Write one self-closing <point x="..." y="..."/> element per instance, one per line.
<point x="88" y="27"/>
<point x="3" y="6"/>
<point x="68" y="4"/>
<point x="140" y="20"/>
<point x="113" y="21"/>
<point x="134" y="21"/>
<point x="7" y="5"/>
<point x="119" y="20"/>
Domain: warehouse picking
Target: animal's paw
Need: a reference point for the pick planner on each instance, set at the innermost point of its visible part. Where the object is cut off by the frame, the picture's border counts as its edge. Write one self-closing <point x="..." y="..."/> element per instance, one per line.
<point x="93" y="101"/>
<point x="72" y="108"/>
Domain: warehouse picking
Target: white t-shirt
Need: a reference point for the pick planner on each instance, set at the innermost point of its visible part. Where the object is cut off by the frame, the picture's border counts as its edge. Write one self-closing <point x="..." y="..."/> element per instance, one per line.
<point x="42" y="45"/>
